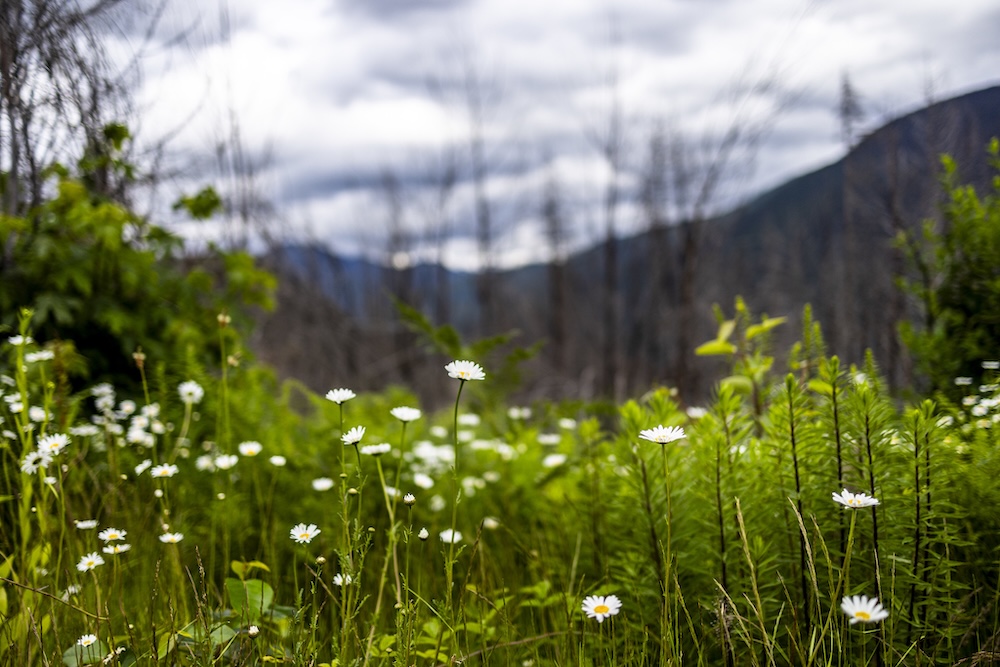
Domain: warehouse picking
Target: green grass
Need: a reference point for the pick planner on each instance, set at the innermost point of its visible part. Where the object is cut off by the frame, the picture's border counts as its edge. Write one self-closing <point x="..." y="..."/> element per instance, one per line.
<point x="725" y="547"/>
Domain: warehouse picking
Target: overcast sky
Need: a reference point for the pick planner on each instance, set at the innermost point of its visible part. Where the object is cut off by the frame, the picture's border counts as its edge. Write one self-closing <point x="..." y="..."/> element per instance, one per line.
<point x="334" y="95"/>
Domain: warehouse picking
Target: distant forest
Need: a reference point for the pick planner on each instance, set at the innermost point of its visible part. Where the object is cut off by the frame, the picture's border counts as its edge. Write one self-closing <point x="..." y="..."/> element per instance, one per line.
<point x="627" y="314"/>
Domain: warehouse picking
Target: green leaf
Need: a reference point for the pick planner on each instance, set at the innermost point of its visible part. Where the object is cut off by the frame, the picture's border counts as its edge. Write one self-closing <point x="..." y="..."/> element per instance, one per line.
<point x="249" y="599"/>
<point x="714" y="348"/>
<point x="85" y="655"/>
<point x="726" y="330"/>
<point x="755" y="330"/>
<point x="740" y="384"/>
<point x="222" y="634"/>
<point x="821" y="387"/>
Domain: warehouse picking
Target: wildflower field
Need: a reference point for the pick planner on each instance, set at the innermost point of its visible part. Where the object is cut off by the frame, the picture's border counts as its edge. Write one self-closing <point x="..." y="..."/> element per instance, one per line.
<point x="218" y="517"/>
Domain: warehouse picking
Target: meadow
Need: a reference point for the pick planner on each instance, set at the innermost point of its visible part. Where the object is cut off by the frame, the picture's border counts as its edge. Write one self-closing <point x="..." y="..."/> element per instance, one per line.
<point x="219" y="517"/>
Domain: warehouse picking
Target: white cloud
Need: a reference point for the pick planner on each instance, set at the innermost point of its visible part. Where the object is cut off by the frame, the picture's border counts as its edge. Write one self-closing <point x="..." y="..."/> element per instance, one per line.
<point x="340" y="93"/>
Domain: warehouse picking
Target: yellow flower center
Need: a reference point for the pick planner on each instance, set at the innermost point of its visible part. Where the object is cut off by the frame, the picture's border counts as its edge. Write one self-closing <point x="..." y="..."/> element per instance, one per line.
<point x="863" y="615"/>
<point x="303" y="536"/>
<point x="601" y="609"/>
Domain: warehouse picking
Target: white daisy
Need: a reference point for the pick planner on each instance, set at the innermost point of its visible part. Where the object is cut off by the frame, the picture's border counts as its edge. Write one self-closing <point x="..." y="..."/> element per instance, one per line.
<point x="163" y="470"/>
<point x="250" y="448"/>
<point x="116" y="548"/>
<point x="87" y="640"/>
<point x="449" y="536"/>
<point x="553" y="460"/>
<point x="143" y="467"/>
<point x="662" y="434"/>
<point x="45" y="355"/>
<point x="112" y="534"/>
<point x="278" y="461"/>
<point x="469" y="419"/>
<point x="353" y="436"/>
<point x="171" y="538"/>
<point x="190" y="392"/>
<point x="465" y="370"/>
<point x="600" y="607"/>
<point x="85" y="524"/>
<point x="322" y="484"/>
<point x="89" y="562"/>
<point x="861" y="609"/>
<point x="423" y="534"/>
<point x="376" y="450"/>
<point x="226" y="461"/>
<point x="205" y="462"/>
<point x="304" y="534"/>
<point x="34" y="460"/>
<point x="854" y="500"/>
<point x="405" y="414"/>
<point x="342" y="579"/>
<point x="339" y="396"/>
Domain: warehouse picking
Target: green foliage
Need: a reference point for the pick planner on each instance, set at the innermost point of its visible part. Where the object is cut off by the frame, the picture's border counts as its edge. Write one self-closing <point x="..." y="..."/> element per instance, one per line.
<point x="95" y="273"/>
<point x="956" y="282"/>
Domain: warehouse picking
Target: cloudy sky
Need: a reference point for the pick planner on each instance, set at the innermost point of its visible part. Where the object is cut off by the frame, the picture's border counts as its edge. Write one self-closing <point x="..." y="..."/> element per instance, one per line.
<point x="342" y="102"/>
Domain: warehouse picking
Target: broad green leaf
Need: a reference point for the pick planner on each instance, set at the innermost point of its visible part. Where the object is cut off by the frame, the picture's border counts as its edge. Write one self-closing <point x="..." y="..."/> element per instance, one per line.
<point x="85" y="655"/>
<point x="222" y="634"/>
<point x="715" y="347"/>
<point x="249" y="599"/>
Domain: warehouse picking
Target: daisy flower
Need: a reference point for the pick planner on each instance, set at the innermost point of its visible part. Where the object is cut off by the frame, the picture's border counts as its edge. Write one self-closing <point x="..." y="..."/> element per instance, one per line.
<point x="85" y="524"/>
<point x="171" y="538"/>
<point x="53" y="444"/>
<point x="226" y="461"/>
<point x="87" y="640"/>
<point x="863" y="609"/>
<point x="662" y="434"/>
<point x="116" y="548"/>
<point x="190" y="392"/>
<point x="339" y="396"/>
<point x="465" y="370"/>
<point x="304" y="534"/>
<point x="20" y="340"/>
<point x="322" y="484"/>
<point x="600" y="607"/>
<point x="34" y="460"/>
<point x="423" y="534"/>
<point x="376" y="450"/>
<point x="250" y="448"/>
<point x="89" y="562"/>
<point x="143" y="467"/>
<point x="854" y="500"/>
<point x="449" y="536"/>
<point x="405" y="414"/>
<point x="163" y="470"/>
<point x="48" y="355"/>
<point x="409" y="499"/>
<point x="342" y="579"/>
<point x="112" y="534"/>
<point x="353" y="436"/>
<point x="278" y="461"/>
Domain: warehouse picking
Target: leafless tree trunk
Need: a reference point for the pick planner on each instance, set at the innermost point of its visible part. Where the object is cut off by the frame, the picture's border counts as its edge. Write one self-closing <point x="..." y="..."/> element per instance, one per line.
<point x="555" y="233"/>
